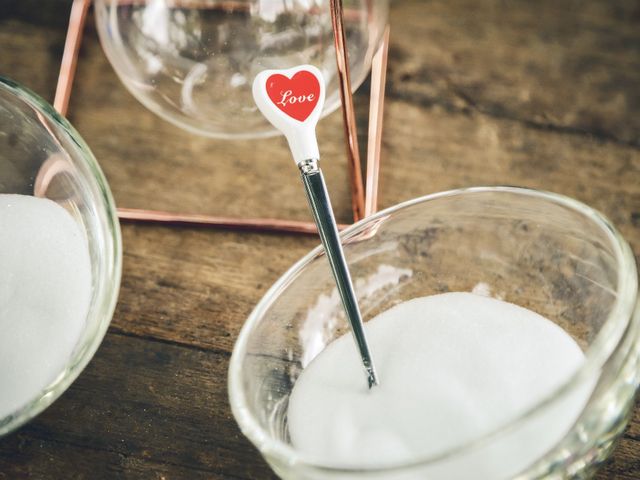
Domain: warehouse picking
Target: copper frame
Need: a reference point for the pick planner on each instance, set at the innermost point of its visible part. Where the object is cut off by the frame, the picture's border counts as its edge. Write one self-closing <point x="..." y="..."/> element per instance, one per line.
<point x="364" y="197"/>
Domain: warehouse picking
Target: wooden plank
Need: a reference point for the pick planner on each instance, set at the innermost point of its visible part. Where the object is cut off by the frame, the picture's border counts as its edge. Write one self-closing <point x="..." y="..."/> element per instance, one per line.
<point x="552" y="65"/>
<point x="451" y="150"/>
<point x="27" y="49"/>
<point x="633" y="430"/>
<point x="52" y="13"/>
<point x="624" y="464"/>
<point x="195" y="286"/>
<point x="141" y="408"/>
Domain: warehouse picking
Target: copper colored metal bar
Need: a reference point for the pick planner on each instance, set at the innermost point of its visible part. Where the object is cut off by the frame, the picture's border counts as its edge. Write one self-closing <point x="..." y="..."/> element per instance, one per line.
<point x="376" y="114"/>
<point x="257" y="224"/>
<point x="348" y="111"/>
<point x="70" y="55"/>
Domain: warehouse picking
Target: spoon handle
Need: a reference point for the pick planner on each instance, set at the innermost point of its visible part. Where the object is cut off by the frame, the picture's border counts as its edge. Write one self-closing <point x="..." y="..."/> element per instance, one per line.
<point x="320" y="205"/>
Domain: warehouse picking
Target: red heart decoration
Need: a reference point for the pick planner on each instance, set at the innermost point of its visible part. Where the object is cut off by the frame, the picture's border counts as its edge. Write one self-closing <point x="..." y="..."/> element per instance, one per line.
<point x="296" y="96"/>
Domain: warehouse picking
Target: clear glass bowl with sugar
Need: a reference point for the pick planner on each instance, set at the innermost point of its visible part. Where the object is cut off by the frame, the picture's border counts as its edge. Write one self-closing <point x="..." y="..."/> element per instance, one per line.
<point x="49" y="175"/>
<point x="545" y="252"/>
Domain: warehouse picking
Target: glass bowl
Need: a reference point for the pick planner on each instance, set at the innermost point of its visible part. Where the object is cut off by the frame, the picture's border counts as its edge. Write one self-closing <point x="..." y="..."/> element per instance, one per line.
<point x="42" y="155"/>
<point x="193" y="62"/>
<point x="542" y="251"/>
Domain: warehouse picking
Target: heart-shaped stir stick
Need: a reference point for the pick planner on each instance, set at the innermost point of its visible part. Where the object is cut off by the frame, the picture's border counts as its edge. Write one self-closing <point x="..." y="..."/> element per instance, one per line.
<point x="292" y="101"/>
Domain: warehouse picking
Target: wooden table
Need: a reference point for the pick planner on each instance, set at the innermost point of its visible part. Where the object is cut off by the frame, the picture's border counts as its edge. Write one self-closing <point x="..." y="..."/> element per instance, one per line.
<point x="540" y="94"/>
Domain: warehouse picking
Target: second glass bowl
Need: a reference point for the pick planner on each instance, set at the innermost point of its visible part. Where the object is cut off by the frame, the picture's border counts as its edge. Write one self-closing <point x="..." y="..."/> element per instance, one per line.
<point x="545" y="252"/>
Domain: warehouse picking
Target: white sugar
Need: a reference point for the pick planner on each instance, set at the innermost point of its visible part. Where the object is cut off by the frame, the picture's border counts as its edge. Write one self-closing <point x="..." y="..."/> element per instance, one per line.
<point x="45" y="290"/>
<point x="452" y="367"/>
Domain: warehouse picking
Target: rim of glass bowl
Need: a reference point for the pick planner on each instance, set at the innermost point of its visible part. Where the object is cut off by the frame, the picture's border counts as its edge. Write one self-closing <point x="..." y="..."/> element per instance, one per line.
<point x="603" y="346"/>
<point x="268" y="130"/>
<point x="107" y="294"/>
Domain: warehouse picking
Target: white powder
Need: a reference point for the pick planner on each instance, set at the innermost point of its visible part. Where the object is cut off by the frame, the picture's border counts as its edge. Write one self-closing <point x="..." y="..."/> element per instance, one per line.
<point x="452" y="367"/>
<point x="45" y="290"/>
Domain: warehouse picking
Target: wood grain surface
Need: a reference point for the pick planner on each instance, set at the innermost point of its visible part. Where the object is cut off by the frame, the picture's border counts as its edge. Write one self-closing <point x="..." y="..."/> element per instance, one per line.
<point x="538" y="94"/>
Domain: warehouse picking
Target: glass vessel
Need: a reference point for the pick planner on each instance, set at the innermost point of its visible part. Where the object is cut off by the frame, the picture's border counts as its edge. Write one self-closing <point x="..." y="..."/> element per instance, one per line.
<point x="542" y="251"/>
<point x="193" y="61"/>
<point x="42" y="155"/>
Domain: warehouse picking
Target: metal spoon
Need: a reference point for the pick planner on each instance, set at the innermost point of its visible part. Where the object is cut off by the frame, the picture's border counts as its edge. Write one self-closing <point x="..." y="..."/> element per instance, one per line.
<point x="292" y="101"/>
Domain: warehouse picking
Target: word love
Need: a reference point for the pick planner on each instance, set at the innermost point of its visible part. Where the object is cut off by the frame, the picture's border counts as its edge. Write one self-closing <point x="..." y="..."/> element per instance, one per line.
<point x="289" y="98"/>
<point x="296" y="96"/>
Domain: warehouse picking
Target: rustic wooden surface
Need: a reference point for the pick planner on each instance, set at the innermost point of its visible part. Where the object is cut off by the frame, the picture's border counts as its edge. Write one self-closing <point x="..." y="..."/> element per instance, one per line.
<point x="539" y="94"/>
